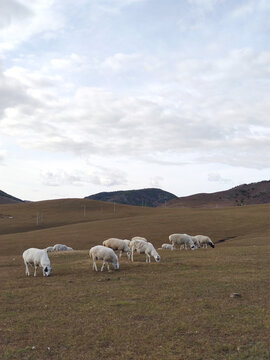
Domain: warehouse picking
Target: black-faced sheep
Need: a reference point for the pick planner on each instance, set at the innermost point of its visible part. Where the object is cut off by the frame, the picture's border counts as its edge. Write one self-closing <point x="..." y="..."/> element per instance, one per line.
<point x="37" y="257"/>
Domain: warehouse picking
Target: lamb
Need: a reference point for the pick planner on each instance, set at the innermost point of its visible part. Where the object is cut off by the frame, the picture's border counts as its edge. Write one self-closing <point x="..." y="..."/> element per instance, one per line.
<point x="167" y="247"/>
<point x="182" y="239"/>
<point x="118" y="244"/>
<point x="37" y="257"/>
<point x="144" y="247"/>
<point x="60" y="247"/>
<point x="204" y="241"/>
<point x="100" y="252"/>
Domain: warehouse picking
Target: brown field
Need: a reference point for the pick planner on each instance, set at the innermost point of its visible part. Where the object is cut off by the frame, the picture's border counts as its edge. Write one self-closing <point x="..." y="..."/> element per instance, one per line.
<point x="178" y="309"/>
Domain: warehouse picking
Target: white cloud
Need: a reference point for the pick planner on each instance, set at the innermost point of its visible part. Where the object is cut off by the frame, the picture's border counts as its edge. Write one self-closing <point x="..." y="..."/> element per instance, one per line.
<point x="206" y="110"/>
<point x="156" y="181"/>
<point x="134" y="63"/>
<point x="250" y="8"/>
<point x="3" y="154"/>
<point x="101" y="176"/>
<point x="72" y="63"/>
<point x="216" y="177"/>
<point x="20" y="20"/>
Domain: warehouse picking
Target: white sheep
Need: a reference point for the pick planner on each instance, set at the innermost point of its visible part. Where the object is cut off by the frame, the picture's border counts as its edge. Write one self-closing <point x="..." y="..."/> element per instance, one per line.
<point x="100" y="252"/>
<point x="196" y="242"/>
<point x="49" y="249"/>
<point x="204" y="241"/>
<point x="37" y="257"/>
<point x="167" y="247"/>
<point x="143" y="247"/>
<point x="182" y="239"/>
<point x="118" y="244"/>
<point x="60" y="247"/>
<point x="139" y="238"/>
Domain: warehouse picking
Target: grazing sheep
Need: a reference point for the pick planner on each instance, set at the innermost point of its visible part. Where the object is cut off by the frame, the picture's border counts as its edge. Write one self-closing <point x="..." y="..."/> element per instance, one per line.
<point x="139" y="238"/>
<point x="127" y="241"/>
<point x="49" y="249"/>
<point x="118" y="244"/>
<point x="143" y="247"/>
<point x="100" y="252"/>
<point x="182" y="239"/>
<point x="37" y="257"/>
<point x="60" y="247"/>
<point x="196" y="242"/>
<point x="167" y="247"/>
<point x="204" y="241"/>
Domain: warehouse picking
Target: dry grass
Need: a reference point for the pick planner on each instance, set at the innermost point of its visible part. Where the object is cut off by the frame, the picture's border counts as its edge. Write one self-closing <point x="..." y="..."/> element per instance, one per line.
<point x="178" y="309"/>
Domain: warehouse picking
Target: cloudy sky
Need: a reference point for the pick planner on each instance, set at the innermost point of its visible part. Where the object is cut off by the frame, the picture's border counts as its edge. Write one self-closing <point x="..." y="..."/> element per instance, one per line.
<point x="104" y="95"/>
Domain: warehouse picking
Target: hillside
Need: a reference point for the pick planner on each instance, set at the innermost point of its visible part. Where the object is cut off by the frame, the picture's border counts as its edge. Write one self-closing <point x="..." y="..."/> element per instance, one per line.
<point x="246" y="194"/>
<point x="144" y="197"/>
<point x="8" y="199"/>
<point x="80" y="314"/>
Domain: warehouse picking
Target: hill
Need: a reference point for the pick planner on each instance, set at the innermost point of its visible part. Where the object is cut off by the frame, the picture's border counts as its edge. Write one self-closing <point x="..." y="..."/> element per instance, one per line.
<point x="8" y="199"/>
<point x="173" y="306"/>
<point x="144" y="197"/>
<point x="246" y="194"/>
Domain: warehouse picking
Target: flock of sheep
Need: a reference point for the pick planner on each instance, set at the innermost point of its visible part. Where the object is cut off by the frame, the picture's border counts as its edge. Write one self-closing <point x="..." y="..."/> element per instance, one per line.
<point x="106" y="251"/>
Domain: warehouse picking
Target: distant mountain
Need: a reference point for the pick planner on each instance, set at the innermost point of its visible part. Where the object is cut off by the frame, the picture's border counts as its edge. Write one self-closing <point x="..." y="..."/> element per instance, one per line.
<point x="143" y="197"/>
<point x="8" y="199"/>
<point x="246" y="194"/>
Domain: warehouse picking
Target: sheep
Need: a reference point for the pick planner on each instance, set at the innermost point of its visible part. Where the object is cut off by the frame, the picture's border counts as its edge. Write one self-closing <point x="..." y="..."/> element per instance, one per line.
<point x="204" y="241"/>
<point x="49" y="249"/>
<point x="100" y="252"/>
<point x="37" y="257"/>
<point x="196" y="242"/>
<point x="167" y="247"/>
<point x="118" y="244"/>
<point x="127" y="241"/>
<point x="182" y="239"/>
<point x="139" y="238"/>
<point x="60" y="247"/>
<point x="144" y="247"/>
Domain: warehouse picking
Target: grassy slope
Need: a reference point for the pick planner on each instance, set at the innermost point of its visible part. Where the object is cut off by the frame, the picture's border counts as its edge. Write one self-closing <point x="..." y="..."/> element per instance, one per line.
<point x="178" y="309"/>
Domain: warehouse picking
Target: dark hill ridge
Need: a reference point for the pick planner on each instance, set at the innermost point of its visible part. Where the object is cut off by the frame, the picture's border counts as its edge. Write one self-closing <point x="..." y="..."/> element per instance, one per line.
<point x="246" y="194"/>
<point x="143" y="197"/>
<point x="8" y="199"/>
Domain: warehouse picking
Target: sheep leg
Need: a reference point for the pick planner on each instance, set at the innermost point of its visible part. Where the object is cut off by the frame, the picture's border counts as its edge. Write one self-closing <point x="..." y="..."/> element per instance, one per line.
<point x="120" y="254"/>
<point x="132" y="254"/>
<point x="102" y="267"/>
<point x="108" y="266"/>
<point x="35" y="272"/>
<point x="95" y="265"/>
<point x="27" y="269"/>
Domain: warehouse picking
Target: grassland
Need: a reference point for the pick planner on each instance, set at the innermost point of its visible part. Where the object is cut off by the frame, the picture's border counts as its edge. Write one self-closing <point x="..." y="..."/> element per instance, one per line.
<point x="178" y="309"/>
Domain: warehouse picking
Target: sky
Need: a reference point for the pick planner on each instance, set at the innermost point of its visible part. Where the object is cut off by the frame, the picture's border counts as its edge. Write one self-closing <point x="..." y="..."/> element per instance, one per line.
<point x="106" y="95"/>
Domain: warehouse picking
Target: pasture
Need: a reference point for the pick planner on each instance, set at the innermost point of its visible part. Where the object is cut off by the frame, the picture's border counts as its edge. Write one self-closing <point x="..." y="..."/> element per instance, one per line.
<point x="177" y="309"/>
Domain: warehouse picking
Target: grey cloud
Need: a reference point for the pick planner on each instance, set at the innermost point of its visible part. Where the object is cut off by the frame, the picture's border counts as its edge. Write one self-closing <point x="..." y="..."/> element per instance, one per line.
<point x="13" y="11"/>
